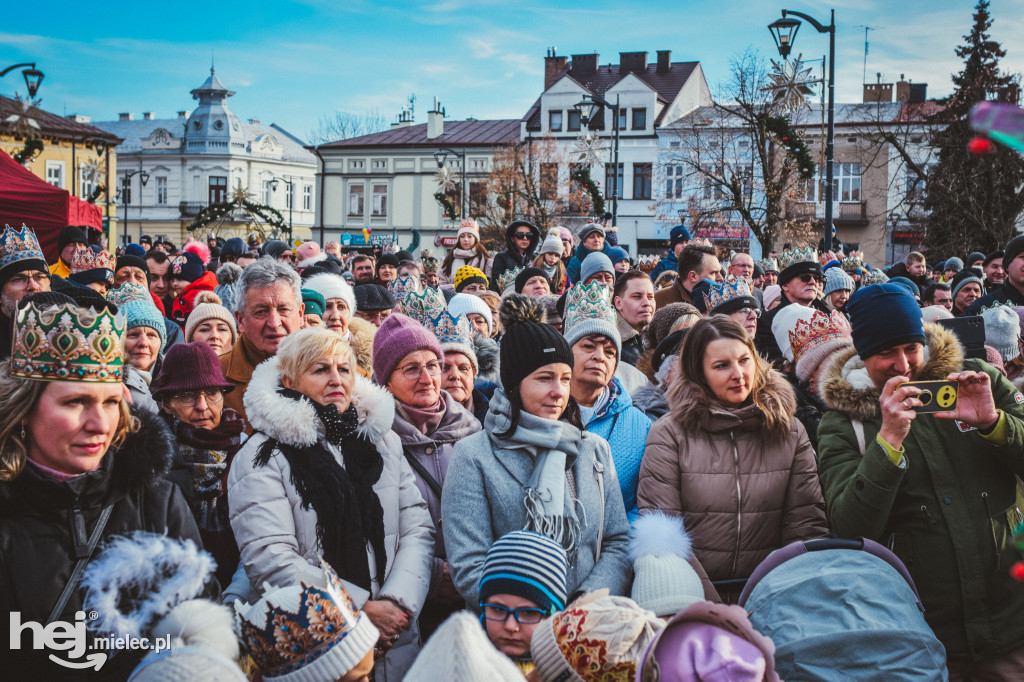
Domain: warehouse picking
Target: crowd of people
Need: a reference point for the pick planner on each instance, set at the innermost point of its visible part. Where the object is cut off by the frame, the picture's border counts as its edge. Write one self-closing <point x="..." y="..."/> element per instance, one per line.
<point x="546" y="463"/>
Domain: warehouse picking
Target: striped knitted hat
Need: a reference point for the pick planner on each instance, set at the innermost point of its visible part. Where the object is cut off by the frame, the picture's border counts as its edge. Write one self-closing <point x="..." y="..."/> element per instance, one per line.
<point x="528" y="565"/>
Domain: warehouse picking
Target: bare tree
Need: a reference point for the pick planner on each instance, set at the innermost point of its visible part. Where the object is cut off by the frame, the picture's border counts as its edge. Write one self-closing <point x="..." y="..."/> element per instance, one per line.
<point x="343" y="125"/>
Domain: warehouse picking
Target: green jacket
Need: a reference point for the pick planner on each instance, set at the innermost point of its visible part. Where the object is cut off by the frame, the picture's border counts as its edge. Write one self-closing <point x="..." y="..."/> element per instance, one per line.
<point x="946" y="511"/>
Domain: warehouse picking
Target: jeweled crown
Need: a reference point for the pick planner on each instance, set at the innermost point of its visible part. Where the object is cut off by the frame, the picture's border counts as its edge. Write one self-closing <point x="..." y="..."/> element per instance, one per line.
<point x="67" y="343"/>
<point x="16" y="245"/>
<point x="827" y="257"/>
<point x="853" y="261"/>
<point x="87" y="259"/>
<point x="587" y="301"/>
<point x="875" y="276"/>
<point x="403" y="285"/>
<point x="794" y="256"/>
<point x="701" y="241"/>
<point x="726" y="291"/>
<point x="819" y="328"/>
<point x="769" y="264"/>
<point x="128" y="292"/>
<point x="419" y="305"/>
<point x="507" y="278"/>
<point x="450" y="328"/>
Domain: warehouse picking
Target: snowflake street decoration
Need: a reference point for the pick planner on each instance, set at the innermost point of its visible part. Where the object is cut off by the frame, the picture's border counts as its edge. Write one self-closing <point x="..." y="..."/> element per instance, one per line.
<point x="790" y="84"/>
<point x="21" y="121"/>
<point x="91" y="171"/>
<point x="445" y="178"/>
<point x="589" y="149"/>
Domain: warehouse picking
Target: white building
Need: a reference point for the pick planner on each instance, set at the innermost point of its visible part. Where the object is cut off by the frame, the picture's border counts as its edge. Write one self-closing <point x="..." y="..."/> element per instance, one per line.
<point x="203" y="158"/>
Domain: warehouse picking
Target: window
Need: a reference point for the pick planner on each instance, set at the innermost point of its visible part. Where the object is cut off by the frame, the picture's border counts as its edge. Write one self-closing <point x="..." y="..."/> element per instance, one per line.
<point x="477" y="197"/>
<point x="613" y="180"/>
<point x="268" y="193"/>
<point x="218" y="189"/>
<point x="549" y="181"/>
<point x="622" y="118"/>
<point x="639" y="119"/>
<point x="711" y="187"/>
<point x="746" y="176"/>
<point x="55" y="173"/>
<point x="554" y="121"/>
<point x="289" y="188"/>
<point x="642" y="173"/>
<point x="573" y="122"/>
<point x="673" y="182"/>
<point x="161" y="191"/>
<point x="307" y="197"/>
<point x="126" y="190"/>
<point x="86" y="181"/>
<point x="380" y="200"/>
<point x="846" y="182"/>
<point x="356" y="194"/>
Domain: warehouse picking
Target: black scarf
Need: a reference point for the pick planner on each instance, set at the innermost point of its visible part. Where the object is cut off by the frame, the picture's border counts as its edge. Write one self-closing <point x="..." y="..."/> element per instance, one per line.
<point x="348" y="511"/>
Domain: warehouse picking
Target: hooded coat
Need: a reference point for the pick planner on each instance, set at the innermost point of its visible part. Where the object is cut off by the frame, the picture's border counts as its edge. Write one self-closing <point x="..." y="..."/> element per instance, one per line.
<point x="277" y="535"/>
<point x="742" y="494"/>
<point x="511" y="258"/>
<point x="38" y="518"/>
<point x="572" y="270"/>
<point x="946" y="513"/>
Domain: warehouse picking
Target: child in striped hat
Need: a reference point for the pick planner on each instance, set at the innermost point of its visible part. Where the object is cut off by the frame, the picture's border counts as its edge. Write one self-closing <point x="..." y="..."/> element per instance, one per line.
<point x="523" y="583"/>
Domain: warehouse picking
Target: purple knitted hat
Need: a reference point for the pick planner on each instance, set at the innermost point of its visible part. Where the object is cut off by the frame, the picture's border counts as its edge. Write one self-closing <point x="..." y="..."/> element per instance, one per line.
<point x="190" y="367"/>
<point x="398" y="336"/>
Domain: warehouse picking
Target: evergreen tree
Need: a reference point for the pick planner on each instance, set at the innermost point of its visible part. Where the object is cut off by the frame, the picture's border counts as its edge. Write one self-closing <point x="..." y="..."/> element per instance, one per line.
<point x="974" y="201"/>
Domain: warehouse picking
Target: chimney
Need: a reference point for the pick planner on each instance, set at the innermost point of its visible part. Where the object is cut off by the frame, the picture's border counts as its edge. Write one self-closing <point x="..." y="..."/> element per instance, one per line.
<point x="877" y="92"/>
<point x="553" y="67"/>
<point x="632" y="62"/>
<point x="80" y="118"/>
<point x="126" y="117"/>
<point x="403" y="120"/>
<point x="918" y="92"/>
<point x="182" y="114"/>
<point x="147" y="116"/>
<point x="902" y="90"/>
<point x="254" y="121"/>
<point x="435" y="121"/>
<point x="664" y="61"/>
<point x="583" y="64"/>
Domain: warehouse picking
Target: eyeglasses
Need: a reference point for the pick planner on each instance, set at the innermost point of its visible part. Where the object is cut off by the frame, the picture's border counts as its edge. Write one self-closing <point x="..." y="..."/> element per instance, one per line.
<point x="372" y="315"/>
<point x="524" y="615"/>
<point x="413" y="372"/>
<point x="808" y="278"/>
<point x="21" y="281"/>
<point x="190" y="398"/>
<point x="756" y="312"/>
<point x="522" y="235"/>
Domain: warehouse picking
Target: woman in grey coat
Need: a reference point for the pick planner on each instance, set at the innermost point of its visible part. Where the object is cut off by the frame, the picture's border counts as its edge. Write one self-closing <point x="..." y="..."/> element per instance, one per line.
<point x="534" y="468"/>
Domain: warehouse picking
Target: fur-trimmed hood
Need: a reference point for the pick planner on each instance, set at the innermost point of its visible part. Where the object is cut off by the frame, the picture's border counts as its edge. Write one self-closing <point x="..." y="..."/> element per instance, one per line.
<point x="360" y="339"/>
<point x="295" y="423"/>
<point x="695" y="411"/>
<point x="844" y="384"/>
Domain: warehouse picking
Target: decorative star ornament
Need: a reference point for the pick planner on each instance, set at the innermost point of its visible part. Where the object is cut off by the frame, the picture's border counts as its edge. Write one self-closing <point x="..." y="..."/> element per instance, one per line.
<point x="22" y="121"/>
<point x="589" y="149"/>
<point x="790" y="83"/>
<point x="445" y="178"/>
<point x="241" y="194"/>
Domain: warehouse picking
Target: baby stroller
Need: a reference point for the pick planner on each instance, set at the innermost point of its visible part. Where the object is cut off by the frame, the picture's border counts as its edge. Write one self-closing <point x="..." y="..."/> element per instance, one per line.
<point x="842" y="610"/>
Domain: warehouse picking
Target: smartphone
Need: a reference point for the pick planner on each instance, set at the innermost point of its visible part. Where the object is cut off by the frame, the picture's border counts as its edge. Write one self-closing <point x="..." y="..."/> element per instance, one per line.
<point x="935" y="396"/>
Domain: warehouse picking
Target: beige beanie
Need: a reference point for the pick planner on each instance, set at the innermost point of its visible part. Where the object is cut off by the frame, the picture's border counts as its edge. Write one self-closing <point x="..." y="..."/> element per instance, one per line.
<point x="460" y="650"/>
<point x="208" y="307"/>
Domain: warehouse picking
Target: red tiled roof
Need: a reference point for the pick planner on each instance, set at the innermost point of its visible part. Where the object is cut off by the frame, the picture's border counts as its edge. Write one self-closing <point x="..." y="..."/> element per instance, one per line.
<point x="54" y="126"/>
<point x="456" y="133"/>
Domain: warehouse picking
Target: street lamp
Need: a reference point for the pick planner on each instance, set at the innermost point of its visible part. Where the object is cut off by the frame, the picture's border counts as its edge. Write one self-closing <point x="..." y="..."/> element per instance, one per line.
<point x="784" y="32"/>
<point x="291" y="200"/>
<point x="895" y="218"/>
<point x="33" y="76"/>
<point x="126" y="184"/>
<point x="439" y="156"/>
<point x="587" y="108"/>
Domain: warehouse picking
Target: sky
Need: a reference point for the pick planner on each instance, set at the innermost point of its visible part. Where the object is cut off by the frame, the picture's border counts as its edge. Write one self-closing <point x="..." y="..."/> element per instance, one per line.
<point x="292" y="62"/>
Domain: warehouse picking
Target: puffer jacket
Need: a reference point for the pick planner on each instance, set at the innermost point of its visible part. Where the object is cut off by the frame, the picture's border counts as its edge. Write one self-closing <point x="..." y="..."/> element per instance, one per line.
<point x="625" y="428"/>
<point x="948" y="513"/>
<point x="38" y="518"/>
<point x="742" y="495"/>
<point x="511" y="258"/>
<point x="277" y="535"/>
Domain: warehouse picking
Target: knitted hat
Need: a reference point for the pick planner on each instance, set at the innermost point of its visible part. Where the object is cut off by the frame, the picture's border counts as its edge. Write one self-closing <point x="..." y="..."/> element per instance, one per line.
<point x="306" y="633"/>
<point x="71" y="234"/>
<point x="145" y="239"/>
<point x="758" y="270"/>
<point x="527" y="344"/>
<point x="771" y="294"/>
<point x="187" y="266"/>
<point x="1002" y="330"/>
<point x="398" y="336"/>
<point x="552" y="243"/>
<point x="663" y="320"/>
<point x="373" y="298"/>
<point x="785" y="321"/>
<point x="455" y="334"/>
<point x="883" y="316"/>
<point x="594" y="263"/>
<point x="956" y="264"/>
<point x="467" y="275"/>
<point x="388" y="259"/>
<point x="796" y="262"/>
<point x="274" y="248"/>
<point x="710" y="643"/>
<point x="189" y="367"/>
<point x="233" y="248"/>
<point x="1014" y="248"/>
<point x="678" y="234"/>
<point x="588" y="229"/>
<point x="836" y="279"/>
<point x="86" y="297"/>
<point x="332" y="286"/>
<point x="908" y="285"/>
<point x="565" y="234"/>
<point x="931" y="313"/>
<point x="404" y="256"/>
<point x="526" y="275"/>
<point x="469" y="226"/>
<point x="528" y="565"/>
<point x="208" y="307"/>
<point x="314" y="302"/>
<point x="663" y="579"/>
<point x="588" y="311"/>
<point x="552" y="311"/>
<point x="127" y="261"/>
<point x="144" y="314"/>
<point x="668" y="347"/>
<point x="20" y="251"/>
<point x="598" y="637"/>
<point x="617" y="254"/>
<point x="964" y="277"/>
<point x="460" y="650"/>
<point x="463" y="304"/>
<point x="998" y="253"/>
<point x="973" y="257"/>
<point x="134" y="250"/>
<point x="813" y="340"/>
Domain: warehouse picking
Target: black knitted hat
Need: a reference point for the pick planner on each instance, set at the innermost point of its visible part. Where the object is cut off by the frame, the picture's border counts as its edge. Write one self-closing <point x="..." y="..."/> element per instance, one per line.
<point x="527" y="344"/>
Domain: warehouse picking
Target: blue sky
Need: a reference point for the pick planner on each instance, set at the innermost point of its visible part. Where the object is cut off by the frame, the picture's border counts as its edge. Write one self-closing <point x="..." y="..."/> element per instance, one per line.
<point x="291" y="61"/>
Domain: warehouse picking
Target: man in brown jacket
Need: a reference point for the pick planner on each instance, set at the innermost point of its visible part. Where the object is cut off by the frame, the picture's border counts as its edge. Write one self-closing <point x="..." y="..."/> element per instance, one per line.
<point x="696" y="262"/>
<point x="270" y="308"/>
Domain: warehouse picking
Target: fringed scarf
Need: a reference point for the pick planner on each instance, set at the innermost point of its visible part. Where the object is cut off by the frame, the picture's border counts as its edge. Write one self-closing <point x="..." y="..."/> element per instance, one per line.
<point x="348" y="511"/>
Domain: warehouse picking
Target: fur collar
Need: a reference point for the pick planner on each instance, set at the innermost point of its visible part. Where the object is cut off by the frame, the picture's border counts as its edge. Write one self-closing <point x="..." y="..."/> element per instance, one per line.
<point x="487" y="355"/>
<point x="695" y="411"/>
<point x="845" y="385"/>
<point x="360" y="339"/>
<point x="295" y="423"/>
<point x="626" y="330"/>
<point x="312" y="260"/>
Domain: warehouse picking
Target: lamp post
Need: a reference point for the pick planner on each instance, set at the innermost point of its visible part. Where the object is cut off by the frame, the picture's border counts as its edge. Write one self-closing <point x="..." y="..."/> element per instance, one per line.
<point x="784" y="33"/>
<point x="587" y="109"/>
<point x="440" y="156"/>
<point x="33" y="76"/>
<point x="126" y="186"/>
<point x="291" y="200"/>
<point x="895" y="219"/>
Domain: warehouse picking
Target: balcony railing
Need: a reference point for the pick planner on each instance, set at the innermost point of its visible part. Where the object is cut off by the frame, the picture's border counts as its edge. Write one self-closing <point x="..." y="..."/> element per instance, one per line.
<point x="190" y="209"/>
<point x="855" y="212"/>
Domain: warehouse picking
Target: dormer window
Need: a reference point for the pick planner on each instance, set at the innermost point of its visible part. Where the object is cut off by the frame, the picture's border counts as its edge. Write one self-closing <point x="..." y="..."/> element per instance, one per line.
<point x="218" y="124"/>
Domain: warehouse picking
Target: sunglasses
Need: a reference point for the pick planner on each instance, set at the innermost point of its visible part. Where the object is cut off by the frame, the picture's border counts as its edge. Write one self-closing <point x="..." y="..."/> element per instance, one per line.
<point x="522" y="235"/>
<point x="808" y="278"/>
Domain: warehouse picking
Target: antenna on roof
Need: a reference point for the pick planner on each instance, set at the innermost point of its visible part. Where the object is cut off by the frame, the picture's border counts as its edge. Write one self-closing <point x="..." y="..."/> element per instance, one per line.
<point x="412" y="106"/>
<point x="864" y="77"/>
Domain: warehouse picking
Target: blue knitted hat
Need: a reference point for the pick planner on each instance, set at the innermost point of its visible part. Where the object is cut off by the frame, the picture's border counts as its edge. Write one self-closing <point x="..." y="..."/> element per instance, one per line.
<point x="594" y="263"/>
<point x="140" y="313"/>
<point x="883" y="316"/>
<point x="528" y="565"/>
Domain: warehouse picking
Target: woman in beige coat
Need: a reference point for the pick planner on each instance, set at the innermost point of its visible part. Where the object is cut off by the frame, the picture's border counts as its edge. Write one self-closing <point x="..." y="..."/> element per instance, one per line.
<point x="730" y="457"/>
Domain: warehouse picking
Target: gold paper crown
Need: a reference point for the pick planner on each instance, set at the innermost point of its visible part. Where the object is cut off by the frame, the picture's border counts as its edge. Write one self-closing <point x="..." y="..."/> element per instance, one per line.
<point x="507" y="278"/>
<point x="725" y="292"/>
<point x="794" y="256"/>
<point x="17" y="245"/>
<point x="853" y="261"/>
<point x="86" y="259"/>
<point x="818" y="329"/>
<point x="769" y="264"/>
<point x="827" y="258"/>
<point x="701" y="241"/>
<point x="588" y="301"/>
<point x="419" y="305"/>
<point x="67" y="343"/>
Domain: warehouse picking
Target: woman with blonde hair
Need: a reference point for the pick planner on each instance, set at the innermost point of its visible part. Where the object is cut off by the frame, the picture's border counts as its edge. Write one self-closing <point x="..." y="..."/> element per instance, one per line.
<point x="76" y="467"/>
<point x="730" y="456"/>
<point x="468" y="251"/>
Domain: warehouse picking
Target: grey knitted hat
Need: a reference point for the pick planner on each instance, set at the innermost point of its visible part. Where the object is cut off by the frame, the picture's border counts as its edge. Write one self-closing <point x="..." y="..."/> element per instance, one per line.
<point x="837" y="280"/>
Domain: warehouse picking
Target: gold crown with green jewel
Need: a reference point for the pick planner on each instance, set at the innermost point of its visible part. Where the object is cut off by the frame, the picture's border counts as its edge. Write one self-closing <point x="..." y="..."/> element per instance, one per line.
<point x="508" y="278"/>
<point x="419" y="305"/>
<point x="67" y="343"/>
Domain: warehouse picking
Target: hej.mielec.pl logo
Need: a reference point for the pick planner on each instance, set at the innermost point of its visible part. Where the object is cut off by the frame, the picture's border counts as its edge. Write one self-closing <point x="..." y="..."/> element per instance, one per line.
<point x="72" y="641"/>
